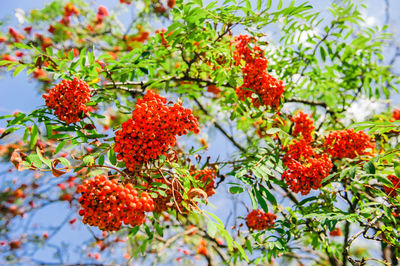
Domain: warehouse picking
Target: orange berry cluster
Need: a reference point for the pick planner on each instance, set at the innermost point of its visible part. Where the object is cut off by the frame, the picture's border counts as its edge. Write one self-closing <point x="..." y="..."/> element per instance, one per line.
<point x="305" y="167"/>
<point x="396" y="114"/>
<point x="303" y="125"/>
<point x="348" y="143"/>
<point x="259" y="220"/>
<point x="202" y="248"/>
<point x="15" y="35"/>
<point x="256" y="79"/>
<point x="335" y="232"/>
<point x="152" y="130"/>
<point x="391" y="191"/>
<point x="302" y="176"/>
<point x="68" y="99"/>
<point x="107" y="204"/>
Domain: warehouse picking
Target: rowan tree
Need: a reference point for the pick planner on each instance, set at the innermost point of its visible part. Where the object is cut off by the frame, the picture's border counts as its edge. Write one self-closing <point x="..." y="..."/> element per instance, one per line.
<point x="203" y="133"/>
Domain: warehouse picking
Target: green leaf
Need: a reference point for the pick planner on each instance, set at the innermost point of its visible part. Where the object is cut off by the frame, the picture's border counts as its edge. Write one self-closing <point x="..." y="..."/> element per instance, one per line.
<point x="64" y="161"/>
<point x="369" y="167"/>
<point x="269" y="2"/>
<point x="271" y="198"/>
<point x="60" y="146"/>
<point x="211" y="228"/>
<point x="253" y="200"/>
<point x="111" y="156"/>
<point x="241" y="250"/>
<point x="280" y="5"/>
<point x="19" y="69"/>
<point x="323" y="53"/>
<point x="35" y="160"/>
<point x="88" y="160"/>
<point x="101" y="160"/>
<point x="259" y="5"/>
<point x="44" y="160"/>
<point x="34" y="136"/>
<point x="133" y="231"/>
<point x="397" y="169"/>
<point x="22" y="46"/>
<point x="261" y="200"/>
<point x="236" y="190"/>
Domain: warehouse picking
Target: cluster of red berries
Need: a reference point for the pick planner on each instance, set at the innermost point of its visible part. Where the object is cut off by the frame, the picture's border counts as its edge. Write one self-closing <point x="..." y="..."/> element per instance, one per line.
<point x="15" y="35"/>
<point x="259" y="220"/>
<point x="107" y="204"/>
<point x="396" y="114"/>
<point x="391" y="191"/>
<point x="68" y="99"/>
<point x="258" y="85"/>
<point x="207" y="177"/>
<point x="202" y="248"/>
<point x="335" y="232"/>
<point x="102" y="12"/>
<point x="152" y="130"/>
<point x="348" y="143"/>
<point x="308" y="173"/>
<point x="244" y="52"/>
<point x="128" y="2"/>
<point x="303" y="125"/>
<point x="70" y="9"/>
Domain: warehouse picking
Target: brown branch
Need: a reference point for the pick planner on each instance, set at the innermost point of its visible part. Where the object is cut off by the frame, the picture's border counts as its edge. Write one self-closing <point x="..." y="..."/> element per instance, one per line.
<point x="354" y="237"/>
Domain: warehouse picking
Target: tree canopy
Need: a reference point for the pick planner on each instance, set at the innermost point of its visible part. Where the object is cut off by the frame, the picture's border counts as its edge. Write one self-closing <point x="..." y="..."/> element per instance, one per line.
<point x="199" y="132"/>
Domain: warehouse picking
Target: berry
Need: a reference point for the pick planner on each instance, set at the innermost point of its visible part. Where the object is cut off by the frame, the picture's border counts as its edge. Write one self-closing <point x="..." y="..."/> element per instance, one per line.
<point x="171" y="3"/>
<point x="107" y="204"/>
<point x="303" y="125"/>
<point x="68" y="99"/>
<point x="391" y="191"/>
<point x="256" y="80"/>
<point x="336" y="232"/>
<point x="202" y="248"/>
<point x="152" y="130"/>
<point x="259" y="220"/>
<point x="348" y="144"/>
<point x="396" y="114"/>
<point x="15" y="35"/>
<point x="70" y="9"/>
<point x="306" y="168"/>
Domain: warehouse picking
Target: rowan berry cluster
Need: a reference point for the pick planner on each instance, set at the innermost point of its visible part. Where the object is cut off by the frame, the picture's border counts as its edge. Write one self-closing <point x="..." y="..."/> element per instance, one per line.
<point x="391" y="191"/>
<point x="15" y="35"/>
<point x="308" y="173"/>
<point x="259" y="220"/>
<point x="206" y="178"/>
<point x="258" y="85"/>
<point x="336" y="232"/>
<point x="305" y="167"/>
<point x="202" y="248"/>
<point x="348" y="143"/>
<point x="107" y="204"/>
<point x="303" y="125"/>
<point x="68" y="100"/>
<point x="396" y="114"/>
<point x="152" y="130"/>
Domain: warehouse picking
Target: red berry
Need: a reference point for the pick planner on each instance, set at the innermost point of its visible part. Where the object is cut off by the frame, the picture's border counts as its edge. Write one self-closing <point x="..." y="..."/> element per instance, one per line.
<point x="259" y="220"/>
